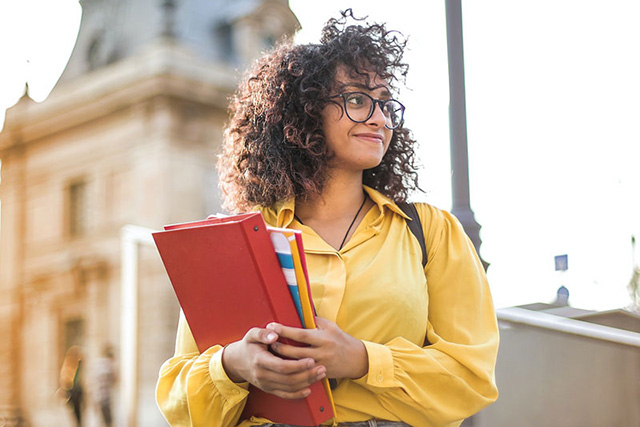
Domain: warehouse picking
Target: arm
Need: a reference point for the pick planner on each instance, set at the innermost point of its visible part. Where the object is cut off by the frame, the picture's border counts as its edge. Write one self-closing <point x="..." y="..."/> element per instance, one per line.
<point x="453" y="377"/>
<point x="210" y="389"/>
<point x="450" y="379"/>
<point x="193" y="388"/>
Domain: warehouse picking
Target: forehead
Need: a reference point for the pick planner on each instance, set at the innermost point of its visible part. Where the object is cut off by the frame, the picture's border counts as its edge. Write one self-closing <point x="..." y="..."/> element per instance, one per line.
<point x="346" y="77"/>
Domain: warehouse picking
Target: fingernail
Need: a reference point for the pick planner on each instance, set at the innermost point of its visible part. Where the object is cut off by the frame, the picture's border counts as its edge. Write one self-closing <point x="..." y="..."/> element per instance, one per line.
<point x="271" y="326"/>
<point x="271" y="336"/>
<point x="306" y="393"/>
<point x="322" y="371"/>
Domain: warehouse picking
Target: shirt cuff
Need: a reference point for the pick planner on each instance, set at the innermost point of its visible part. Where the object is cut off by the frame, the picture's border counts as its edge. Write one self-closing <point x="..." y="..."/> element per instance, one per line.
<point x="233" y="392"/>
<point x="381" y="372"/>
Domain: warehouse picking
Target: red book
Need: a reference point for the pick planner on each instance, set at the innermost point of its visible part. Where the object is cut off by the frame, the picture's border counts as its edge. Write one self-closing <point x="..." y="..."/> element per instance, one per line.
<point x="227" y="278"/>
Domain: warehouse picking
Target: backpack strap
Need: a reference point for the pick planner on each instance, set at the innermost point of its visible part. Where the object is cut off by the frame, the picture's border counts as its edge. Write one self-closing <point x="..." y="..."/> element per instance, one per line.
<point x="415" y="226"/>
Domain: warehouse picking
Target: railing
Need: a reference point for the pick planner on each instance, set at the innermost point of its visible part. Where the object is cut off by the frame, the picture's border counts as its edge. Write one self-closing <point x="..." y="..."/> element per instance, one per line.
<point x="570" y="326"/>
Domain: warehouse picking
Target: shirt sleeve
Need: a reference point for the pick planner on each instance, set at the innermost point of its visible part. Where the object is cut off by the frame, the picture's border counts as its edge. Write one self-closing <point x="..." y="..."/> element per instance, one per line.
<point x="453" y="377"/>
<point x="194" y="390"/>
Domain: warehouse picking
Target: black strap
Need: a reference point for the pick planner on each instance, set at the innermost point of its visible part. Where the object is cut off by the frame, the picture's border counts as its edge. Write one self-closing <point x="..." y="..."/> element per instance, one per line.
<point x="415" y="226"/>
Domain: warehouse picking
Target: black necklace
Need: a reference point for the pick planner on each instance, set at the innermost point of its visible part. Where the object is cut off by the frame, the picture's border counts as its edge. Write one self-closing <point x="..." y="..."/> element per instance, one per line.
<point x="344" y="239"/>
<point x="352" y="222"/>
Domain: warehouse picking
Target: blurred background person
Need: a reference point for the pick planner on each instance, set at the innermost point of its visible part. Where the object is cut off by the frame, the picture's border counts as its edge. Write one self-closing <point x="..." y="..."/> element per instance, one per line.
<point x="104" y="377"/>
<point x="71" y="382"/>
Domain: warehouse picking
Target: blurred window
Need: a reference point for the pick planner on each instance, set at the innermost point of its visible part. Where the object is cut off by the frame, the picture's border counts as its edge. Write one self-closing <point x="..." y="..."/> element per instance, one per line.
<point x="78" y="209"/>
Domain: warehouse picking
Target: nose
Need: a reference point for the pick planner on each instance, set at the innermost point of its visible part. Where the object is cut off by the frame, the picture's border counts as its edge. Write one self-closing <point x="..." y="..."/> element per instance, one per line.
<point x="377" y="117"/>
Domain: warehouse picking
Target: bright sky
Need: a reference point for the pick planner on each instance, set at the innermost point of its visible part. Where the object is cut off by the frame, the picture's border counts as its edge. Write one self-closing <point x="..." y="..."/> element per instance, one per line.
<point x="552" y="111"/>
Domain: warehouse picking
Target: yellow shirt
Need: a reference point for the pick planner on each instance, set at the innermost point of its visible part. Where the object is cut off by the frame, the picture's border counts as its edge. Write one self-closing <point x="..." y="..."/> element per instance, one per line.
<point x="374" y="288"/>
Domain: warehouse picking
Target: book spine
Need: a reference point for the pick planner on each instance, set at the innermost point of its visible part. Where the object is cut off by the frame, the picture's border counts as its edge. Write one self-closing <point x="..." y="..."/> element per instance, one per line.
<point x="273" y="279"/>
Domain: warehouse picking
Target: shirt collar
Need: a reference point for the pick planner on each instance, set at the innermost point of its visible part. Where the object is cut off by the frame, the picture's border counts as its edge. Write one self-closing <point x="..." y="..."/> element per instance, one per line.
<point x="383" y="201"/>
<point x="281" y="213"/>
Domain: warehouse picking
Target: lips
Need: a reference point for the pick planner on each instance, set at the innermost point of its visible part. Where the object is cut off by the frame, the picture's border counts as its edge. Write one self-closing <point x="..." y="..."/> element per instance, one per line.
<point x="372" y="137"/>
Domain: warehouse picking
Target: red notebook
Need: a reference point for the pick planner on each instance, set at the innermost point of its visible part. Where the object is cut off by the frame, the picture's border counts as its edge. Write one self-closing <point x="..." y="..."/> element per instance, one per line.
<point x="226" y="275"/>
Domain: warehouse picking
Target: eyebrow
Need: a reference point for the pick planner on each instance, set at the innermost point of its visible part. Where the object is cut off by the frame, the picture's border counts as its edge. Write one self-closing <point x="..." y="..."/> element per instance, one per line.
<point x="361" y="86"/>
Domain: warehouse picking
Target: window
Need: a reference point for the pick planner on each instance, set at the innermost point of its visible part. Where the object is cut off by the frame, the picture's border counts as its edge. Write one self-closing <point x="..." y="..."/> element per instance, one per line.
<point x="72" y="335"/>
<point x="268" y="41"/>
<point x="77" y="216"/>
<point x="73" y="332"/>
<point x="224" y="36"/>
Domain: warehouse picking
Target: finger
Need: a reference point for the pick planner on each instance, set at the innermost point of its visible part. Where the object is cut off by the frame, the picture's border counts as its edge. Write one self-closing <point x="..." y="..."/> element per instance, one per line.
<point x="278" y="365"/>
<point x="292" y="351"/>
<point x="290" y="382"/>
<point x="323" y="323"/>
<point x="281" y="371"/>
<point x="261" y="336"/>
<point x="292" y="395"/>
<point x="305" y="336"/>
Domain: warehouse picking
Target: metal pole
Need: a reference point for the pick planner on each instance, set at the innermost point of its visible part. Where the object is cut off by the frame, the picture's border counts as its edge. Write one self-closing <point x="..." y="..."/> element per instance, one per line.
<point x="458" y="126"/>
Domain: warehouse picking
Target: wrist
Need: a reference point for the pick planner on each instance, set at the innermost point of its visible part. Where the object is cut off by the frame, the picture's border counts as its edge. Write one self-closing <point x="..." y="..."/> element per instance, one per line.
<point x="360" y="359"/>
<point x="229" y="363"/>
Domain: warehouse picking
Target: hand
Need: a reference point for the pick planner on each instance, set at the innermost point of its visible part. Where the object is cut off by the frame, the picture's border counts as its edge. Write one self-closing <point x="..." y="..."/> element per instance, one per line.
<point x="343" y="355"/>
<point x="250" y="360"/>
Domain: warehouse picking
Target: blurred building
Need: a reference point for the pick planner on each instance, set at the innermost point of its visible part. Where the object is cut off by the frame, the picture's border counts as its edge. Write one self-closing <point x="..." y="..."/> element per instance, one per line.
<point x="128" y="136"/>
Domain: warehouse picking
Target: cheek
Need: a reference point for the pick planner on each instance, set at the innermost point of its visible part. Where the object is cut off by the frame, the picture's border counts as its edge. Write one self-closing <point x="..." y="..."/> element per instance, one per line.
<point x="331" y="115"/>
<point x="334" y="123"/>
<point x="388" y="137"/>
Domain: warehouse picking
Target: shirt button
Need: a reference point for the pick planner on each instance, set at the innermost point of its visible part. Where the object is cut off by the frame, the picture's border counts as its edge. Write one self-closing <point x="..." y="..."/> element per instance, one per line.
<point x="380" y="378"/>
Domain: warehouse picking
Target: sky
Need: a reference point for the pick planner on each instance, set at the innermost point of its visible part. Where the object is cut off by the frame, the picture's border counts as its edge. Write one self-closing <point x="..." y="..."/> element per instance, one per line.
<point x="552" y="114"/>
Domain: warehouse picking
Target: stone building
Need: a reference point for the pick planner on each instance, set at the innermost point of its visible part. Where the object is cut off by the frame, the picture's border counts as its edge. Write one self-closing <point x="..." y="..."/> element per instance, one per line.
<point x="128" y="136"/>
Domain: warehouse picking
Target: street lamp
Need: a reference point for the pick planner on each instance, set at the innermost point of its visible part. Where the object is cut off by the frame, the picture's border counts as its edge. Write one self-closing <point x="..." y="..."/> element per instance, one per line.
<point x="458" y="127"/>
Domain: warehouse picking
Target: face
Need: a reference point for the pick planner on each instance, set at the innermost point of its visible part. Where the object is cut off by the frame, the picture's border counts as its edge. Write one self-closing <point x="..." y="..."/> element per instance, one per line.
<point x="356" y="146"/>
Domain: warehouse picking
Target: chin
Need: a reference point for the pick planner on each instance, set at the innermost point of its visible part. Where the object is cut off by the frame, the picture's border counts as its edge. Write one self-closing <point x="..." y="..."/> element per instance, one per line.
<point x="360" y="162"/>
<point x="370" y="165"/>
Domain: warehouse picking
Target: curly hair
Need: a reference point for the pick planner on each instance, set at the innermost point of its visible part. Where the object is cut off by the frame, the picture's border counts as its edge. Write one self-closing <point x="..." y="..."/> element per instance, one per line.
<point x="274" y="146"/>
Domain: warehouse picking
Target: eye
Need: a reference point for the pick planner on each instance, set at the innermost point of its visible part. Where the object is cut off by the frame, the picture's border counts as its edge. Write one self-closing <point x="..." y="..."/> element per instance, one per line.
<point x="356" y="99"/>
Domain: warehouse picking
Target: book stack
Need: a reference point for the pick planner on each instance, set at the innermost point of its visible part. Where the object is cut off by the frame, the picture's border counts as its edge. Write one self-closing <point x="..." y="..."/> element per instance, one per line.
<point x="233" y="273"/>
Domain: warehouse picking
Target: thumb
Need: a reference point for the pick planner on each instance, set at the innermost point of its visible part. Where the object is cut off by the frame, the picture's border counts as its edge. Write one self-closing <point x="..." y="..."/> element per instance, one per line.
<point x="268" y="336"/>
<point x="261" y="336"/>
<point x="322" y="323"/>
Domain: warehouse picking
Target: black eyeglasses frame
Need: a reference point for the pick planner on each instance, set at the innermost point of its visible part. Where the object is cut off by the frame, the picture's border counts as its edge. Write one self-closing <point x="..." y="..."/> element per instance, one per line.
<point x="374" y="102"/>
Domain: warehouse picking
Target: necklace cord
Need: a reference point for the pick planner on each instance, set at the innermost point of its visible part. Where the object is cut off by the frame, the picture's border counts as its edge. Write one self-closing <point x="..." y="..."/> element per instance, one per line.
<point x="344" y="239"/>
<point x="352" y="222"/>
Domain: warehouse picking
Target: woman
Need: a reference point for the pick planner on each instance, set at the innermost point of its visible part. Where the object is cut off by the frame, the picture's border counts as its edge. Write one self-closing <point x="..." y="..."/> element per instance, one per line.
<point x="316" y="142"/>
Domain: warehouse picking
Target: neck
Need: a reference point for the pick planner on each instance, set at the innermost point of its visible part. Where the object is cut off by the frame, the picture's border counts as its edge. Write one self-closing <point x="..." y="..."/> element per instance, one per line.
<point x="341" y="196"/>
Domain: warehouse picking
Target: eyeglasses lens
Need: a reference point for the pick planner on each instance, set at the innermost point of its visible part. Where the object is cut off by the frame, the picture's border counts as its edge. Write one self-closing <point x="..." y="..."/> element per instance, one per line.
<point x="358" y="106"/>
<point x="393" y="111"/>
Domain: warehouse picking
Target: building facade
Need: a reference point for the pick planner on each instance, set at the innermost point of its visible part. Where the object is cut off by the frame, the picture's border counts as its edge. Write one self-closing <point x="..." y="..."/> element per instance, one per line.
<point x="128" y="136"/>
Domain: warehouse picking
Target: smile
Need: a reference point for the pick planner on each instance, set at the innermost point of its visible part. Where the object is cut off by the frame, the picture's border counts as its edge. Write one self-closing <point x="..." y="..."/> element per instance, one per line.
<point x="372" y="137"/>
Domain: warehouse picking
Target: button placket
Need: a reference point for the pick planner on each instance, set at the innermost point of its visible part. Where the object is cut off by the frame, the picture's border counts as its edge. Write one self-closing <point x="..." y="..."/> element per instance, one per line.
<point x="334" y="288"/>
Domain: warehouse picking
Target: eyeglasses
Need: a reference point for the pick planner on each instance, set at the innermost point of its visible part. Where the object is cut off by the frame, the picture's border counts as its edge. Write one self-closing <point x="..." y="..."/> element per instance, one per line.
<point x="360" y="106"/>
